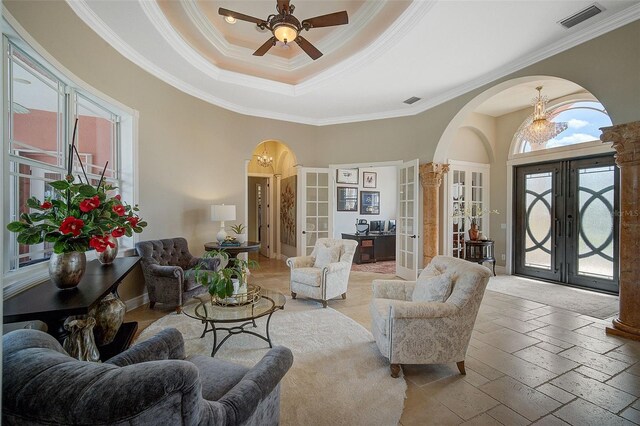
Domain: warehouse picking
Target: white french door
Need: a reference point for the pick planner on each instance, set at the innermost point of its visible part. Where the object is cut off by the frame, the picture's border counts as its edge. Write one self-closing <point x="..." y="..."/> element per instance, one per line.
<point x="314" y="206"/>
<point x="408" y="225"/>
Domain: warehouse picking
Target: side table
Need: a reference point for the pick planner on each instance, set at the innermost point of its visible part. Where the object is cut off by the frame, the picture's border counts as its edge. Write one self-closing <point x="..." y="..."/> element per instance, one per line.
<point x="479" y="251"/>
<point x="233" y="251"/>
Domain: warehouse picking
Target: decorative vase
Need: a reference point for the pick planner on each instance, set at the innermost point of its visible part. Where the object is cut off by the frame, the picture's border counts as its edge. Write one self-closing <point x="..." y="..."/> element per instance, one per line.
<point x="473" y="231"/>
<point x="241" y="238"/>
<point x="109" y="315"/>
<point x="109" y="255"/>
<point x="80" y="343"/>
<point x="66" y="269"/>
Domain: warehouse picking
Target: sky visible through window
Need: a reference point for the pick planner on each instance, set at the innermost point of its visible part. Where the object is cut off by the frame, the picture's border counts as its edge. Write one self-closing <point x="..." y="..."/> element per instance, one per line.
<point x="584" y="122"/>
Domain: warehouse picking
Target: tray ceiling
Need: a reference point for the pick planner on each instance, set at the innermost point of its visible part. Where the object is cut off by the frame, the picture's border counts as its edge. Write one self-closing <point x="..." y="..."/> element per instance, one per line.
<point x="389" y="51"/>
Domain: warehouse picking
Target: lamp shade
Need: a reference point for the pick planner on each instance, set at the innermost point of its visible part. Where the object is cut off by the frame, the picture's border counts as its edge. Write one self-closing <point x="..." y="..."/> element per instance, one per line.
<point x="223" y="212"/>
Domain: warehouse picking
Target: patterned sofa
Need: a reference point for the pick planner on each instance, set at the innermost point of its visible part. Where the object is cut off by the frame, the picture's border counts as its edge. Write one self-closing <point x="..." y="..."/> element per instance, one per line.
<point x="409" y="332"/>
<point x="149" y="384"/>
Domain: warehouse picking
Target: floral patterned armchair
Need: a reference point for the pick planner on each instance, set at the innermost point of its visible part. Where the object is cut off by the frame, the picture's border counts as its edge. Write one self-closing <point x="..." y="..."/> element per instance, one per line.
<point x="409" y="332"/>
<point x="325" y="273"/>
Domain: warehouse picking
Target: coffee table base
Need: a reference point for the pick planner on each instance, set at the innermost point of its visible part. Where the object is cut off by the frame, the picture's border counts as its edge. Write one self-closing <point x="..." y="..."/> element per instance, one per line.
<point x="238" y="329"/>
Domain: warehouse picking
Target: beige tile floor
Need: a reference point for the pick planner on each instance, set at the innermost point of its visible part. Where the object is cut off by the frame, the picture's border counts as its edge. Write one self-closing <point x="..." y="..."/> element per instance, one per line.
<point x="527" y="363"/>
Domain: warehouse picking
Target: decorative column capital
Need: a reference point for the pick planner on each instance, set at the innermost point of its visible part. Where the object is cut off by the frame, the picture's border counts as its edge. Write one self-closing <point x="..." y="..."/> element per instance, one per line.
<point x="431" y="174"/>
<point x="626" y="141"/>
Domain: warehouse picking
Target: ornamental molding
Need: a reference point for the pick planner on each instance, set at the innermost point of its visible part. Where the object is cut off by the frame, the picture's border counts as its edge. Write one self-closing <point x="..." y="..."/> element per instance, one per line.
<point x="625" y="139"/>
<point x="431" y="174"/>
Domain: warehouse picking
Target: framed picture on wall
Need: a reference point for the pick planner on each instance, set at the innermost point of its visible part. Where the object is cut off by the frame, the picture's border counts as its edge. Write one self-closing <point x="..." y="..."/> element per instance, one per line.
<point x="347" y="199"/>
<point x="370" y="202"/>
<point x="348" y="176"/>
<point x="369" y="179"/>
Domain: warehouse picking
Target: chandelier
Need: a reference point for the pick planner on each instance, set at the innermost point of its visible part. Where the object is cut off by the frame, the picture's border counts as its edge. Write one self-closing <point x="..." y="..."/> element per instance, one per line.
<point x="264" y="159"/>
<point x="540" y="129"/>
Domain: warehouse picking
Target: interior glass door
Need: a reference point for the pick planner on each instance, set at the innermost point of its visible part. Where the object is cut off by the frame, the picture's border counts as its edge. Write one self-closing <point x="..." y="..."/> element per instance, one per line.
<point x="407" y="221"/>
<point x="314" y="205"/>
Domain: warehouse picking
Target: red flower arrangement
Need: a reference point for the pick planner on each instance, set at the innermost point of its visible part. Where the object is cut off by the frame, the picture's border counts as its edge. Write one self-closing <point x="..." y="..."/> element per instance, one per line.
<point x="78" y="216"/>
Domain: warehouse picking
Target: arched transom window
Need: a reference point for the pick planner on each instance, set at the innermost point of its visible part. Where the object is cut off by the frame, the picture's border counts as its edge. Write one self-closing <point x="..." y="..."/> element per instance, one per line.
<point x="584" y="120"/>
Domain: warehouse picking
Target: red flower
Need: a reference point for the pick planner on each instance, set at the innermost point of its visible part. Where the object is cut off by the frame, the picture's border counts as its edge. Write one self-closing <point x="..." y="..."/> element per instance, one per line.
<point x="101" y="243"/>
<point x="118" y="197"/>
<point x="118" y="232"/>
<point x="119" y="209"/>
<point x="71" y="225"/>
<point x="46" y="205"/>
<point x="133" y="221"/>
<point x="89" y="204"/>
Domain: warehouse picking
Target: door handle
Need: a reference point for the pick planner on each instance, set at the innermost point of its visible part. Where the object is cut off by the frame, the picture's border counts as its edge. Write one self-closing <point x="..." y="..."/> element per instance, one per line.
<point x="413" y="236"/>
<point x="558" y="228"/>
<point x="304" y="232"/>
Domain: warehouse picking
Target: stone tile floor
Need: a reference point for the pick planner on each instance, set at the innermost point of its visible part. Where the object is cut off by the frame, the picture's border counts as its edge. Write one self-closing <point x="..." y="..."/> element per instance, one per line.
<point x="527" y="363"/>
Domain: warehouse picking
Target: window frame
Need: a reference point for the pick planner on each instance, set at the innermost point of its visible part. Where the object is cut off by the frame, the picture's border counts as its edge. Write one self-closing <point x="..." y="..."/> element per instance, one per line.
<point x="125" y="145"/>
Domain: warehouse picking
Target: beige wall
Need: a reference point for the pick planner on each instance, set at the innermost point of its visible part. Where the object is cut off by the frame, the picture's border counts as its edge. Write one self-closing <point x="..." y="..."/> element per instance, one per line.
<point x="192" y="154"/>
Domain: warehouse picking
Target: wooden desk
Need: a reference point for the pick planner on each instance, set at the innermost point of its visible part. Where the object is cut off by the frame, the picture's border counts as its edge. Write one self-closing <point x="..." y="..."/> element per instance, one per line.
<point x="233" y="251"/>
<point x="373" y="247"/>
<point x="479" y="252"/>
<point x="48" y="303"/>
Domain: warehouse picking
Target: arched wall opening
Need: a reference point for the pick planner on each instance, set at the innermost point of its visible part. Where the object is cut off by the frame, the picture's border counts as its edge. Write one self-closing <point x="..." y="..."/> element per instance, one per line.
<point x="493" y="118"/>
<point x="262" y="194"/>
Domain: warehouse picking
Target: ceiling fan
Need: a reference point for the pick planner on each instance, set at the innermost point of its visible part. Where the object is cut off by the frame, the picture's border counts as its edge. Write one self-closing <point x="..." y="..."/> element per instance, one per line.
<point x="287" y="28"/>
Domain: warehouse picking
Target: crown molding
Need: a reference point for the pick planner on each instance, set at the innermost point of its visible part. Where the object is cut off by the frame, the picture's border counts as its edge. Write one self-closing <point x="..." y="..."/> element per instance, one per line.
<point x="414" y="13"/>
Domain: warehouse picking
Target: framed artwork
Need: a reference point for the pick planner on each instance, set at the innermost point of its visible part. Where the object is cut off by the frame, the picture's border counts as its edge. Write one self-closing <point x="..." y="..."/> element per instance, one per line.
<point x="348" y="176"/>
<point x="347" y="199"/>
<point x="370" y="202"/>
<point x="369" y="179"/>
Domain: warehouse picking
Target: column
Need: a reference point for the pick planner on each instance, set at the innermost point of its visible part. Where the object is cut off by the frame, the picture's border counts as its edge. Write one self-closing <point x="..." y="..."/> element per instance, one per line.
<point x="430" y="178"/>
<point x="626" y="142"/>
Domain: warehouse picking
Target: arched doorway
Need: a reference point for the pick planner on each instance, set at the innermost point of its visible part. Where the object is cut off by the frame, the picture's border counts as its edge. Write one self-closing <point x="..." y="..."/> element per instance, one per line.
<point x="502" y="110"/>
<point x="271" y="163"/>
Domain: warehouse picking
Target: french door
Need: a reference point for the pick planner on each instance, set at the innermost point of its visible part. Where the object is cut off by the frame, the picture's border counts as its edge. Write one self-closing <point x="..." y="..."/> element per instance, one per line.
<point x="408" y="226"/>
<point x="566" y="222"/>
<point x="314" y="205"/>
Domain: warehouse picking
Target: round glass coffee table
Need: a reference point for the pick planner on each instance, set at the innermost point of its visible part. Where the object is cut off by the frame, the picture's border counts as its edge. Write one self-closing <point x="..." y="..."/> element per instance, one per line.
<point x="212" y="315"/>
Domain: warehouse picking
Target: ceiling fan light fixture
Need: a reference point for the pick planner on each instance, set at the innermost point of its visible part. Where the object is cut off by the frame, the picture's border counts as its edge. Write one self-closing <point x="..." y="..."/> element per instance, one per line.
<point x="230" y="20"/>
<point x="285" y="32"/>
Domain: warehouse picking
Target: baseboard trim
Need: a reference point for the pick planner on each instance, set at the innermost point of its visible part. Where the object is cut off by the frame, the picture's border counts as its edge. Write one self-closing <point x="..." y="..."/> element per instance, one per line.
<point x="502" y="270"/>
<point x="136" y="302"/>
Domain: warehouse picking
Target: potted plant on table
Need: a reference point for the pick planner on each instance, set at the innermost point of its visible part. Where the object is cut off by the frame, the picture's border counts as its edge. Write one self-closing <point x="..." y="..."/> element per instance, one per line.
<point x="228" y="285"/>
<point x="470" y="215"/>
<point x="77" y="217"/>
<point x="241" y="236"/>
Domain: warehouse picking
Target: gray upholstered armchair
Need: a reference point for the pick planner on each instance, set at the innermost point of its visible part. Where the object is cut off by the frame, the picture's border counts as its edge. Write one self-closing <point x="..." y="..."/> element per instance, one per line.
<point x="410" y="331"/>
<point x="148" y="384"/>
<point x="325" y="273"/>
<point x="168" y="271"/>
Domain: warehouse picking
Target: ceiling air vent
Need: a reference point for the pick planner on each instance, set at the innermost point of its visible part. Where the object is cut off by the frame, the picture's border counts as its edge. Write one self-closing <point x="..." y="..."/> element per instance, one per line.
<point x="581" y="16"/>
<point x="412" y="100"/>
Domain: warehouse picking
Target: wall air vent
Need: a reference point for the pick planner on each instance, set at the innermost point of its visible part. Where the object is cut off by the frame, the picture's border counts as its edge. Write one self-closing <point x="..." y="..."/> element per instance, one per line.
<point x="412" y="100"/>
<point x="581" y="16"/>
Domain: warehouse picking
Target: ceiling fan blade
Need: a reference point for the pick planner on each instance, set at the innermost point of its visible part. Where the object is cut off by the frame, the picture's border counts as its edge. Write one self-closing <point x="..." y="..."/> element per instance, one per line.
<point x="265" y="47"/>
<point x="337" y="18"/>
<point x="309" y="48"/>
<point x="241" y="17"/>
<point x="283" y="6"/>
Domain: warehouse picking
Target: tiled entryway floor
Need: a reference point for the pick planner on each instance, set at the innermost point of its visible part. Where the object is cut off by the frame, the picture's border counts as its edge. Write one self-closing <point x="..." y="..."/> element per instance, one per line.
<point x="527" y="363"/>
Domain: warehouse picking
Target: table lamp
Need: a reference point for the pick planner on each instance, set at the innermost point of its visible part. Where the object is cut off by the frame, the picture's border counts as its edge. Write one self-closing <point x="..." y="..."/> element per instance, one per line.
<point x="221" y="213"/>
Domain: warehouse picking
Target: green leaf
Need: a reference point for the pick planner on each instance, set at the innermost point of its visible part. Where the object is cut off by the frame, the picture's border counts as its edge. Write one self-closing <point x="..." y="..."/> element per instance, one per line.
<point x="52" y="237"/>
<point x="142" y="224"/>
<point x="60" y="185"/>
<point x="34" y="203"/>
<point x="35" y="238"/>
<point x="59" y="247"/>
<point x="87" y="190"/>
<point x="128" y="232"/>
<point x="17" y="226"/>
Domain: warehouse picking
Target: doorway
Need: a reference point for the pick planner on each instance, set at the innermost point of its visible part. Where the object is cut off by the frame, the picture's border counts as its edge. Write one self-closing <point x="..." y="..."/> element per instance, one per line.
<point x="258" y="223"/>
<point x="566" y="223"/>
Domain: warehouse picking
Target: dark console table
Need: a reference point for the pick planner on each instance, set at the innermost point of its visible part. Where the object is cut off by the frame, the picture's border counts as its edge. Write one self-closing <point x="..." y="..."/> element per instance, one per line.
<point x="480" y="251"/>
<point x="46" y="302"/>
<point x="373" y="247"/>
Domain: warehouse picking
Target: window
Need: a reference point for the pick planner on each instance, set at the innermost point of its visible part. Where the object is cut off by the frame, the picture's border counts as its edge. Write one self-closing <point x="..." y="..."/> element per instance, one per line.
<point x="584" y="119"/>
<point x="43" y="105"/>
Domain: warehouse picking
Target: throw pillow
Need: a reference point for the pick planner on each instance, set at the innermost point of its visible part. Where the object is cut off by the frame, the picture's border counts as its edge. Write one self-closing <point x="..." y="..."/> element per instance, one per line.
<point x="436" y="288"/>
<point x="326" y="255"/>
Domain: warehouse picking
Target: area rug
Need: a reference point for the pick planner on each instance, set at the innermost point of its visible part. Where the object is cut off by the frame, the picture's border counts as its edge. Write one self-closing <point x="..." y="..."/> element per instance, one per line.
<point x="386" y="267"/>
<point x="338" y="375"/>
<point x="585" y="302"/>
